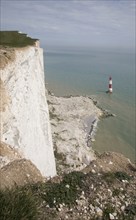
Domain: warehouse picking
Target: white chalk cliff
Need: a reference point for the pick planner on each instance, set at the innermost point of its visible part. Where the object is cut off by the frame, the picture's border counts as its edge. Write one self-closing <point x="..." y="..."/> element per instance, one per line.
<point x="24" y="115"/>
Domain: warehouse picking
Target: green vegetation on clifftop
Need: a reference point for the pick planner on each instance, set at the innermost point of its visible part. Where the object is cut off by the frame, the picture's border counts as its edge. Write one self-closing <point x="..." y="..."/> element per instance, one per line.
<point x="15" y="39"/>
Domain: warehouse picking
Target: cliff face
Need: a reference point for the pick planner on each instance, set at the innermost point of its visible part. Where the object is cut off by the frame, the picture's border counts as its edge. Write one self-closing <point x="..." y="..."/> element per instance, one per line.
<point x="24" y="111"/>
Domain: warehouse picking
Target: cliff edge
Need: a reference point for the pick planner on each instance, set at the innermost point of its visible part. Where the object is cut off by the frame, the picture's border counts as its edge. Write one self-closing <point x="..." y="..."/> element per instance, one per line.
<point x="24" y="112"/>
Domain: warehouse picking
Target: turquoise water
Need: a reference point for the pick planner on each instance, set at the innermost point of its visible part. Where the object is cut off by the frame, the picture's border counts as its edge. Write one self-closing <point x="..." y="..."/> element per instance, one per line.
<point x="86" y="72"/>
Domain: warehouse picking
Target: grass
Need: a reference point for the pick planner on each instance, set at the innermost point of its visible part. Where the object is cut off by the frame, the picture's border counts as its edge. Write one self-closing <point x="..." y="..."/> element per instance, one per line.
<point x="15" y="39"/>
<point x="17" y="204"/>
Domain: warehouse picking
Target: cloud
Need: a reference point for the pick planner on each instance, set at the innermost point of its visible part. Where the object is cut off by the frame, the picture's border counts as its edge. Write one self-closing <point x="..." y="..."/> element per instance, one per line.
<point x="97" y="21"/>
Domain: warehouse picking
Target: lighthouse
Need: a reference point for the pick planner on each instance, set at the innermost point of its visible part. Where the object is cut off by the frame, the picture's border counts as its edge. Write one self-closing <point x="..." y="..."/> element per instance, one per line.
<point x="110" y="85"/>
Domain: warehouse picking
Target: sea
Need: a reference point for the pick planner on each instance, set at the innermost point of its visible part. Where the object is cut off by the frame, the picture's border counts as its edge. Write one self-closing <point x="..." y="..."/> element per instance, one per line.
<point x="86" y="71"/>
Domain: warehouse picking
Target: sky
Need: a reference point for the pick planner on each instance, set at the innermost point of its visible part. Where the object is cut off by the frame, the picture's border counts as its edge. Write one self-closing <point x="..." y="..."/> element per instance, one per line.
<point x="86" y="23"/>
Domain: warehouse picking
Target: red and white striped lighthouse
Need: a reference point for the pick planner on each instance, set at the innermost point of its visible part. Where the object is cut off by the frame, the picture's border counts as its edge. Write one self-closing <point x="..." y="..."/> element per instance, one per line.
<point x="110" y="85"/>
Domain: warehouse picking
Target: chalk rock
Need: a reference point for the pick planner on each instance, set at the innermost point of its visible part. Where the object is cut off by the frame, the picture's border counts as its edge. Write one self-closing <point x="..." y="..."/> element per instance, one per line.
<point x="111" y="216"/>
<point x="24" y="112"/>
<point x="99" y="211"/>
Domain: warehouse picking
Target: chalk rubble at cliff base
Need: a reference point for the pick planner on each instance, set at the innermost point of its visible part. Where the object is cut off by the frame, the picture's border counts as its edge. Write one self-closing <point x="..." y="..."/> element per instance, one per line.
<point x="73" y="123"/>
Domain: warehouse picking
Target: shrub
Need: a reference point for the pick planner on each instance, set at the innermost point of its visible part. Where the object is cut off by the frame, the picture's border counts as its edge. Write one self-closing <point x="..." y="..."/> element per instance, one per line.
<point x="122" y="176"/>
<point x="65" y="192"/>
<point x="110" y="176"/>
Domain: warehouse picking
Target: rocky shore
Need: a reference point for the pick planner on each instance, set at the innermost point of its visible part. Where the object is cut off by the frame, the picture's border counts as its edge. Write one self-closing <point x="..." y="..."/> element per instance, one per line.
<point x="74" y="123"/>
